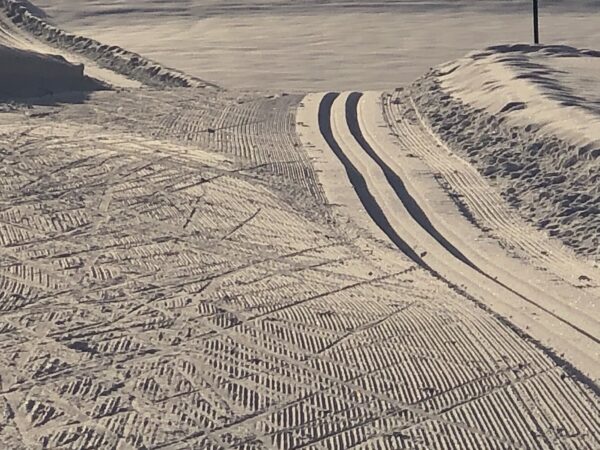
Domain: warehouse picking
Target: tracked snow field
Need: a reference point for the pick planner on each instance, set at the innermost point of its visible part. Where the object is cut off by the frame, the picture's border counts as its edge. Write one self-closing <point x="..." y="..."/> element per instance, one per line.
<point x="155" y="297"/>
<point x="256" y="129"/>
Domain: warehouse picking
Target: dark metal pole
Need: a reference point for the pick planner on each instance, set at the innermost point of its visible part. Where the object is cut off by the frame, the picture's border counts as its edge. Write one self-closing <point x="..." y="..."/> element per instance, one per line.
<point x="536" y="23"/>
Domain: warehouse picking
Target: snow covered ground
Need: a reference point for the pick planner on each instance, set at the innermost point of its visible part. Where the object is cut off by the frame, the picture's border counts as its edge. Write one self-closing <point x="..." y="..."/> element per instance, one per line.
<point x="313" y="46"/>
<point x="186" y="266"/>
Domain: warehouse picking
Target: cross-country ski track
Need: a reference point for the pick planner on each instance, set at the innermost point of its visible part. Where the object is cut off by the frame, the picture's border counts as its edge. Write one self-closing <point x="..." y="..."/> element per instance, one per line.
<point x="373" y="168"/>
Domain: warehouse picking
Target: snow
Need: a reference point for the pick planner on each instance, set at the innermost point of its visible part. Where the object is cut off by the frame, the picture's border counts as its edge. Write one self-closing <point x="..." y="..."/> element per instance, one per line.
<point x="190" y="266"/>
<point x="314" y="46"/>
<point x="548" y="83"/>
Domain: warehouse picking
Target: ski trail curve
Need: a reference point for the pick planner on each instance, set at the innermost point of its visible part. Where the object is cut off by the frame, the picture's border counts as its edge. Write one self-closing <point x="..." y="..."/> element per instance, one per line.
<point x="349" y="131"/>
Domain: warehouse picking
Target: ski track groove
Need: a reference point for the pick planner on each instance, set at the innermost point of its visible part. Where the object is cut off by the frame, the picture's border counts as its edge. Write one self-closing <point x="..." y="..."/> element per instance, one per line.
<point x="415" y="211"/>
<point x="486" y="208"/>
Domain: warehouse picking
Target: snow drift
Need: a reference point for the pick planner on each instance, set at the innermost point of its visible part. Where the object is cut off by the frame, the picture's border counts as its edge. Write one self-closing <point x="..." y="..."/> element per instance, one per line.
<point x="528" y="117"/>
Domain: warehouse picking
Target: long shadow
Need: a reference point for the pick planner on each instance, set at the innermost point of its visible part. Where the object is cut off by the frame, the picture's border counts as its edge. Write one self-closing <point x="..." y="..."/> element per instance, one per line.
<point x="49" y="98"/>
<point x="34" y="78"/>
<point x="417" y="213"/>
<point x="32" y="94"/>
<point x="359" y="184"/>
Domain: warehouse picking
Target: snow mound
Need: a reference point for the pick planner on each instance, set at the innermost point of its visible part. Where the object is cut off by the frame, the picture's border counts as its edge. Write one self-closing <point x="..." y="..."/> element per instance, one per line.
<point x="28" y="74"/>
<point x="528" y="117"/>
<point x="549" y="86"/>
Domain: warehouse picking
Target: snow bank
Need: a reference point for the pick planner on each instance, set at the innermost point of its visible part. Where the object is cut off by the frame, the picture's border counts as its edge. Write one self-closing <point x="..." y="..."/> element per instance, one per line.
<point x="528" y="117"/>
<point x="526" y="83"/>
<point x="29" y="74"/>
